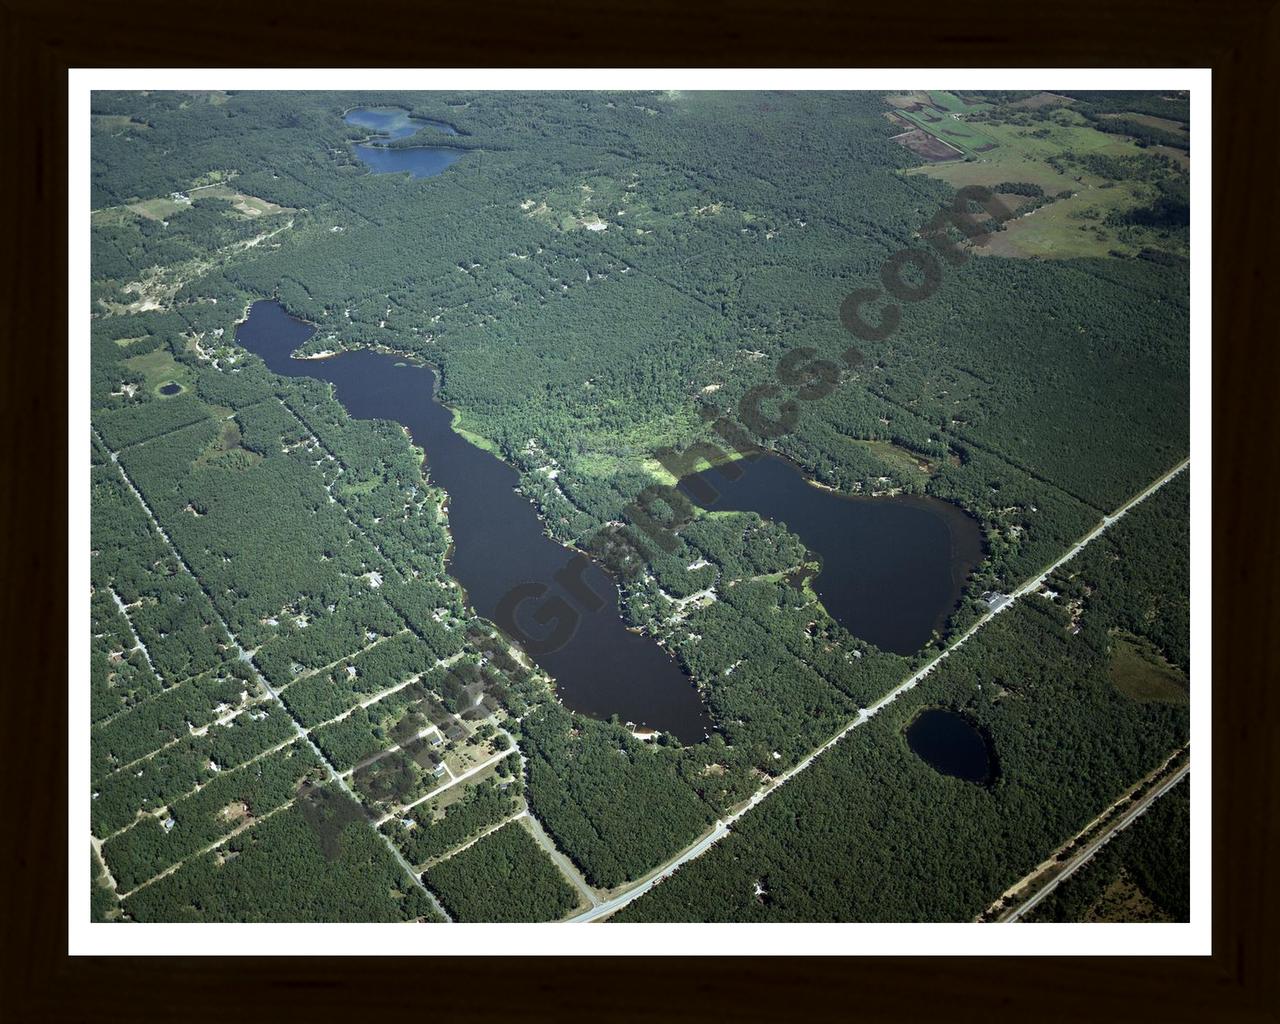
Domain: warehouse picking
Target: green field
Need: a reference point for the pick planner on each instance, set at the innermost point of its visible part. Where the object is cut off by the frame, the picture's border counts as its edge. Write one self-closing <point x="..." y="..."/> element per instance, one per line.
<point x="1046" y="151"/>
<point x="1141" y="672"/>
<point x="159" y="368"/>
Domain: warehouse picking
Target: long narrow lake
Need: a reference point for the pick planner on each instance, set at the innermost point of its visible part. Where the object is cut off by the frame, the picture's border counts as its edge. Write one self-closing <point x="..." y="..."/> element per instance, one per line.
<point x="893" y="568"/>
<point x="498" y="540"/>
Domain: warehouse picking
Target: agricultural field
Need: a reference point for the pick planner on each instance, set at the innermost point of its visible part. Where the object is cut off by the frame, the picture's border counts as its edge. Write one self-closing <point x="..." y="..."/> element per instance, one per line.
<point x="1071" y="153"/>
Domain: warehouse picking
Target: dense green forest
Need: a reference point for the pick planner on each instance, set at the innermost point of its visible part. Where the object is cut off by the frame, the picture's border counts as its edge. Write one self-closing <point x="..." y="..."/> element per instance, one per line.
<point x="872" y="833"/>
<point x="278" y="870"/>
<point x="622" y="807"/>
<point x="503" y="877"/>
<point x="425" y="837"/>
<point x="598" y="279"/>
<point x="1143" y="874"/>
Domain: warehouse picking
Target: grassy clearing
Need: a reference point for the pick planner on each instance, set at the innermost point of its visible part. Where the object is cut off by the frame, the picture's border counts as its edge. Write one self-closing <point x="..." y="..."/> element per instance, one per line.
<point x="1151" y="121"/>
<point x="479" y="440"/>
<point x="1123" y="901"/>
<point x="438" y="805"/>
<point x="159" y="368"/>
<point x="1070" y="227"/>
<point x="226" y="451"/>
<point x="1140" y="672"/>
<point x="246" y="205"/>
<point x="157" y="209"/>
<point x="364" y="487"/>
<point x="468" y="753"/>
<point x="905" y="463"/>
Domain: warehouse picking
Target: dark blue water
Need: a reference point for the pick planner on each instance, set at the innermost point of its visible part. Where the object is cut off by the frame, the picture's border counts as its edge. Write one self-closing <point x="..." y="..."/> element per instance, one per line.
<point x="893" y="569"/>
<point x="498" y="540"/>
<point x="951" y="744"/>
<point x="394" y="123"/>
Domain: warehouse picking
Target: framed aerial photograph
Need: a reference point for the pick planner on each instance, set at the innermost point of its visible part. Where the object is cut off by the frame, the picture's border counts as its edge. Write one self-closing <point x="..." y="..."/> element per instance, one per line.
<point x="607" y="504"/>
<point x="522" y="515"/>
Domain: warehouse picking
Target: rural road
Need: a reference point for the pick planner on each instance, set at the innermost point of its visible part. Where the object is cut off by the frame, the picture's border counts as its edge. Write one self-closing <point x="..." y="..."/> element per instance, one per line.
<point x="243" y="655"/>
<point x="722" y="826"/>
<point x="1087" y="854"/>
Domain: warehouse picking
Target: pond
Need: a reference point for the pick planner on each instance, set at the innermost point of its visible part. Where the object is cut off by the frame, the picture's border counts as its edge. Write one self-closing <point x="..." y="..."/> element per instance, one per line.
<point x="950" y="744"/>
<point x="498" y="540"/>
<point x="171" y="388"/>
<point x="893" y="568"/>
<point x="391" y="123"/>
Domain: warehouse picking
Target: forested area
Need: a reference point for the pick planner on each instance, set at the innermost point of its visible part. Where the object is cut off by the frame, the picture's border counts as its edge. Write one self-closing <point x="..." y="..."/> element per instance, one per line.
<point x="1153" y="855"/>
<point x="282" y="870"/>
<point x="870" y="832"/>
<point x="190" y="762"/>
<point x="198" y="819"/>
<point x="503" y="877"/>
<point x="618" y="270"/>
<point x="103" y="905"/>
<point x="430" y="836"/>
<point x="615" y="805"/>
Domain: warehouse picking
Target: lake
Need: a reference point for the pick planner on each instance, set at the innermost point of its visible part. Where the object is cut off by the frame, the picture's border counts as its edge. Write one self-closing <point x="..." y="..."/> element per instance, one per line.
<point x="951" y="744"/>
<point x="498" y="540"/>
<point x="395" y="123"/>
<point x="893" y="568"/>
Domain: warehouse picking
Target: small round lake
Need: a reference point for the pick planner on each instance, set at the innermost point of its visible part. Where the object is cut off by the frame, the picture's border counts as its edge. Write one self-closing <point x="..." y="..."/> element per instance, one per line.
<point x="950" y="744"/>
<point x="390" y="123"/>
<point x="171" y="388"/>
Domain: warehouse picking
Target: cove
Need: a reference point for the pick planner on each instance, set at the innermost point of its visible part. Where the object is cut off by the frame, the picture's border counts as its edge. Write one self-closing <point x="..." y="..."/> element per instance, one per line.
<point x="893" y="568"/>
<point x="951" y="744"/>
<point x="498" y="540"/>
<point x="393" y="123"/>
